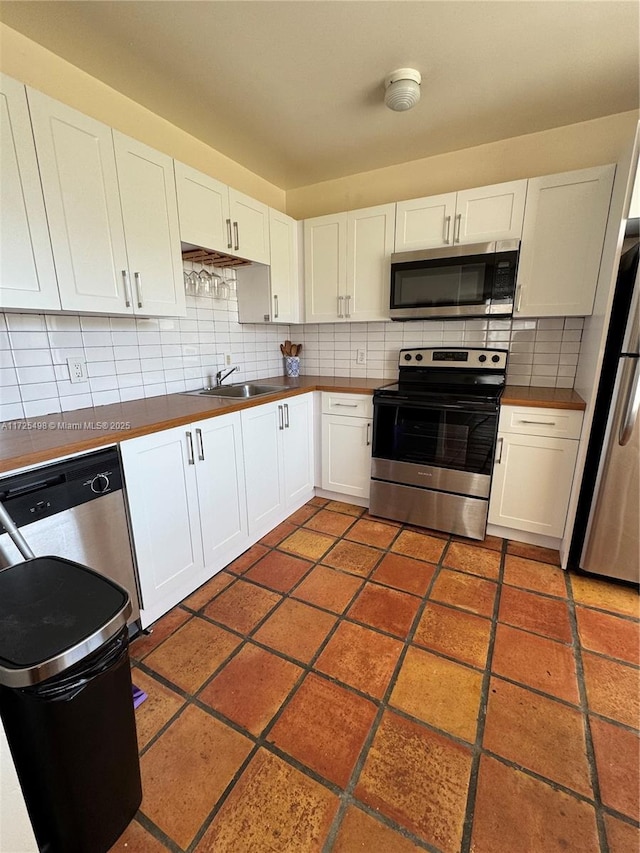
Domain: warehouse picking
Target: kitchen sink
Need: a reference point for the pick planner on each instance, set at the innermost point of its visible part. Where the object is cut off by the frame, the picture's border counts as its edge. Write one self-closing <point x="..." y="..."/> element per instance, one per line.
<point x="243" y="391"/>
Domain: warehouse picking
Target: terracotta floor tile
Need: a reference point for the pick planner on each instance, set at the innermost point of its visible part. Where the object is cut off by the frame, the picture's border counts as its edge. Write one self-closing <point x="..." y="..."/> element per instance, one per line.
<point x="273" y="807"/>
<point x="332" y="523"/>
<point x="367" y="515"/>
<point x="317" y="501"/>
<point x="160" y="630"/>
<point x="307" y="543"/>
<point x="278" y="571"/>
<point x="534" y="552"/>
<point x="192" y="654"/>
<point x="608" y="634"/>
<point x="440" y="692"/>
<point x="361" y="832"/>
<point x="419" y="545"/>
<point x="387" y="609"/>
<point x="613" y="689"/>
<point x="530" y="574"/>
<point x="459" y="635"/>
<point x="135" y="839"/>
<point x="157" y="709"/>
<point x="242" y="606"/>
<point x="352" y="557"/>
<point x="616" y="750"/>
<point x="275" y="536"/>
<point x="251" y="687"/>
<point x="622" y="837"/>
<point x="538" y="733"/>
<point x="324" y="726"/>
<point x="360" y="657"/>
<point x="515" y="812"/>
<point x="476" y="561"/>
<point x="204" y="594"/>
<point x="371" y="532"/>
<point x="419" y="779"/>
<point x="462" y="590"/>
<point x="347" y="508"/>
<point x="300" y="516"/>
<point x="404" y="573"/>
<point x="494" y="543"/>
<point x="605" y="595"/>
<point x="186" y="770"/>
<point x="296" y="629"/>
<point x="327" y="588"/>
<point x="536" y="661"/>
<point x="250" y="556"/>
<point x="536" y="613"/>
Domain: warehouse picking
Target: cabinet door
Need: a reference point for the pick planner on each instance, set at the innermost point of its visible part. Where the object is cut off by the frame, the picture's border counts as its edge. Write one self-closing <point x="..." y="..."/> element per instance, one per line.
<point x="165" y="522"/>
<point x="369" y="247"/>
<point x="346" y="455"/>
<point x="150" y="213"/>
<point x="562" y="241"/>
<point x="261" y="428"/>
<point x="297" y="450"/>
<point x="221" y="489"/>
<point x="425" y="223"/>
<point x="203" y="207"/>
<point x="80" y="185"/>
<point x="27" y="274"/>
<point x="250" y="227"/>
<point x="532" y="483"/>
<point x="490" y="213"/>
<point x="325" y="268"/>
<point x="285" y="275"/>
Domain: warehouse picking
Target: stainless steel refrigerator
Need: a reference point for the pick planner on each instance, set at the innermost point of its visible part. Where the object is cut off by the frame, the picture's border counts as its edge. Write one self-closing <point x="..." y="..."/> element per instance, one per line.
<point x="606" y="539"/>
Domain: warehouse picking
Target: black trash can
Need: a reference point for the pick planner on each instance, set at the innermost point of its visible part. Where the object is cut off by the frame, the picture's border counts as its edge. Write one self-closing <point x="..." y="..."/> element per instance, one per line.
<point x="66" y="702"/>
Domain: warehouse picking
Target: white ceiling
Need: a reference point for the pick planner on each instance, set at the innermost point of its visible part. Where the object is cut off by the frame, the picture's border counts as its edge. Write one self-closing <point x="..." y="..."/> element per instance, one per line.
<point x="294" y="90"/>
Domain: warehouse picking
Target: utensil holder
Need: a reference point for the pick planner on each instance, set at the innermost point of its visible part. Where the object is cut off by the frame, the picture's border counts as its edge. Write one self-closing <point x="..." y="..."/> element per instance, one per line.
<point x="291" y="365"/>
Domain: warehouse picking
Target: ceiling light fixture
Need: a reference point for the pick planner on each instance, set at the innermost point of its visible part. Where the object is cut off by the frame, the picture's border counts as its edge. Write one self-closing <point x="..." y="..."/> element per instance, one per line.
<point x="402" y="89"/>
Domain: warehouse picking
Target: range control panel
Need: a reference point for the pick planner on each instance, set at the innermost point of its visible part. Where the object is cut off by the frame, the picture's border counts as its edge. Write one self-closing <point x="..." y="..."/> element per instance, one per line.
<point x="434" y="357"/>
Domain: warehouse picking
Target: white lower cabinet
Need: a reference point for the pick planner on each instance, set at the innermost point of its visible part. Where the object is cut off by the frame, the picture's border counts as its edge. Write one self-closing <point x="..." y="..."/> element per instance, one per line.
<point x="347" y="427"/>
<point x="185" y="488"/>
<point x="533" y="472"/>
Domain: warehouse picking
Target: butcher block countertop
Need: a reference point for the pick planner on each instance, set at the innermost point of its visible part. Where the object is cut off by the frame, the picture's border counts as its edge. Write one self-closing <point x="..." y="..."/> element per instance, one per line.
<point x="34" y="440"/>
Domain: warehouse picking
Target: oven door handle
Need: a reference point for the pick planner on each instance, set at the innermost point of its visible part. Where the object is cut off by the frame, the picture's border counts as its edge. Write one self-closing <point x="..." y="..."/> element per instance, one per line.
<point x="421" y="404"/>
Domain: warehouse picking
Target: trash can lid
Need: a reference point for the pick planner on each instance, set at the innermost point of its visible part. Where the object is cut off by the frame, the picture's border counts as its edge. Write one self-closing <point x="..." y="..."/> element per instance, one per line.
<point x="53" y="613"/>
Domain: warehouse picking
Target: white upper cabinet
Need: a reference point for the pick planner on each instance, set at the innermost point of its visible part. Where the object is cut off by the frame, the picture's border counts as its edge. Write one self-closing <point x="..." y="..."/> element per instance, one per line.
<point x="150" y="213"/>
<point x="285" y="271"/>
<point x="346" y="259"/>
<point x="203" y="207"/>
<point x="27" y="273"/>
<point x="562" y="239"/>
<point x="470" y="216"/>
<point x="249" y="226"/>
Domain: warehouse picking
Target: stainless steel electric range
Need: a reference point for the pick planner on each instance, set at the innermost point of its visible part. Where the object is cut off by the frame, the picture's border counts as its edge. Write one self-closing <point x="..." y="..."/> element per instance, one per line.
<point x="434" y="439"/>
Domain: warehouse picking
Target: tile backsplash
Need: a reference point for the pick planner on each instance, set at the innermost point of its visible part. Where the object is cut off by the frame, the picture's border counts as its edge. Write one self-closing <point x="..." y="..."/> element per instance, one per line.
<point x="131" y="358"/>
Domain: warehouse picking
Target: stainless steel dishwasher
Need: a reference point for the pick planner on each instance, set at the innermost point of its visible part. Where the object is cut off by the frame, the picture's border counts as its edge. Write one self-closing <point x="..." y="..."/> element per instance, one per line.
<point x="74" y="509"/>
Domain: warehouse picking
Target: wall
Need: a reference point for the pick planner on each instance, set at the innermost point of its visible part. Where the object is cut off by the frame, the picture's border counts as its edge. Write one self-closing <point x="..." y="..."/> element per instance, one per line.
<point x="576" y="146"/>
<point x="40" y="68"/>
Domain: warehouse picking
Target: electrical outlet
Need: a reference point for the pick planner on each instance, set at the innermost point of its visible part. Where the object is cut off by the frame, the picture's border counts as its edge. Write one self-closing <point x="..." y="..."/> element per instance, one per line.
<point x="228" y="359"/>
<point x="77" y="369"/>
<point x="361" y="356"/>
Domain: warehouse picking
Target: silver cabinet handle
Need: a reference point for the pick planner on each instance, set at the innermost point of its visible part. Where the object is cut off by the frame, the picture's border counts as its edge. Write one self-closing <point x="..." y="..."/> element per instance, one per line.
<point x="632" y="399"/>
<point x="200" y="445"/>
<point x="275" y="306"/>
<point x="190" y="456"/>
<point x="280" y="418"/>
<point x="519" y="290"/>
<point x="127" y="290"/>
<point x="347" y="302"/>
<point x="229" y="240"/>
<point x="237" y="236"/>
<point x="499" y="451"/>
<point x="538" y="423"/>
<point x="447" y="227"/>
<point x="286" y="415"/>
<point x="456" y="235"/>
<point x="347" y="405"/>
<point x="340" y="298"/>
<point x="368" y="434"/>
<point x="138" y="281"/>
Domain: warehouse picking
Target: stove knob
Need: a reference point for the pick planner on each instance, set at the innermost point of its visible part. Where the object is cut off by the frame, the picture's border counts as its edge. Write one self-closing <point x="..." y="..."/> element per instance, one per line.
<point x="482" y="358"/>
<point x="495" y="358"/>
<point x="407" y="356"/>
<point x="419" y="357"/>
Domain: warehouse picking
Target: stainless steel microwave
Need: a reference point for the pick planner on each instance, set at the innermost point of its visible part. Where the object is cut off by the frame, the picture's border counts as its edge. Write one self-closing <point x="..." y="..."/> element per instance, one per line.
<point x="453" y="282"/>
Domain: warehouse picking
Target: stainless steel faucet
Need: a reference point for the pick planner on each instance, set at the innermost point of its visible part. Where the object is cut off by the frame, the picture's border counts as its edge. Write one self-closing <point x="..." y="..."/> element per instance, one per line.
<point x="220" y="376"/>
